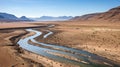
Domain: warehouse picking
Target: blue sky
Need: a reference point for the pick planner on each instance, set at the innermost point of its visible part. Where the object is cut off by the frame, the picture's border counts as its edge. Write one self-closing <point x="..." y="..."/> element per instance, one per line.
<point x="37" y="8"/>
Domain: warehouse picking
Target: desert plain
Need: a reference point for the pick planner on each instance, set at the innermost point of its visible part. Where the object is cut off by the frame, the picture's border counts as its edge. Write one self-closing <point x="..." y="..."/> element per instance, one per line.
<point x="100" y="38"/>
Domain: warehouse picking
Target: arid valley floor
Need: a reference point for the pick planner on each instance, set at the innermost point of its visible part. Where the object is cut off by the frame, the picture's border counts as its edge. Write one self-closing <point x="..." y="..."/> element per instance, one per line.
<point x="99" y="38"/>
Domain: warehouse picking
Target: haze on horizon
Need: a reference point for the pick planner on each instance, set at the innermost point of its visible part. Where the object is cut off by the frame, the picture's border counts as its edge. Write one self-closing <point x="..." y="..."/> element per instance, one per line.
<point x="37" y="8"/>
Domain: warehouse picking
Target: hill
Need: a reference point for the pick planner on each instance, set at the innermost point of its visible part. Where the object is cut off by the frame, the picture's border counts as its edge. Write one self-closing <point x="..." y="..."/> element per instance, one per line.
<point x="113" y="15"/>
<point x="24" y="18"/>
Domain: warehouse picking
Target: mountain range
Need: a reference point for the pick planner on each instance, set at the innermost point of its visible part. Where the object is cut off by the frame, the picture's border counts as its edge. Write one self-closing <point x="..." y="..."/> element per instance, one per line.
<point x="11" y="17"/>
<point x="50" y="18"/>
<point x="112" y="15"/>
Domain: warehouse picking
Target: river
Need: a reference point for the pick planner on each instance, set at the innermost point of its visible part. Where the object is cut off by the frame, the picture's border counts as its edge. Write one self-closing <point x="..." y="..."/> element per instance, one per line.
<point x="85" y="58"/>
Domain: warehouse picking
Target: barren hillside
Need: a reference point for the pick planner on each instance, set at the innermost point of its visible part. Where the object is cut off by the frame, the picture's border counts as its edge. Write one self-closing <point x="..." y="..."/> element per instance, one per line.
<point x="113" y="15"/>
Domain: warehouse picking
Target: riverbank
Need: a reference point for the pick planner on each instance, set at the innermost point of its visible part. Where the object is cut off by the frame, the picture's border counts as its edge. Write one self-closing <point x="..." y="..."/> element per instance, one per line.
<point x="10" y="51"/>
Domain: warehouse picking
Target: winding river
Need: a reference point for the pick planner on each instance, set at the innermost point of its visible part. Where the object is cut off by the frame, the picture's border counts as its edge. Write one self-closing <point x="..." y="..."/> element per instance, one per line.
<point x="85" y="58"/>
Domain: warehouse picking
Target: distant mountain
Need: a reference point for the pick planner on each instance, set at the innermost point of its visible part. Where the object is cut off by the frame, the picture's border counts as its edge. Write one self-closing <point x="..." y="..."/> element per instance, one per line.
<point x="5" y="16"/>
<point x="112" y="15"/>
<point x="24" y="18"/>
<point x="1" y="17"/>
<point x="50" y="18"/>
<point x="10" y="17"/>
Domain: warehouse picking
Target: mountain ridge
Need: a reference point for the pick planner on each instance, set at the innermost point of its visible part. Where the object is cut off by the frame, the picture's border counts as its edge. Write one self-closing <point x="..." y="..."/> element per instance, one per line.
<point x="10" y="17"/>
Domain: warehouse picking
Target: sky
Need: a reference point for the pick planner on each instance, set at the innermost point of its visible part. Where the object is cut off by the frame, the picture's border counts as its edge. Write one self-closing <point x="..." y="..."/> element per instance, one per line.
<point x="37" y="8"/>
